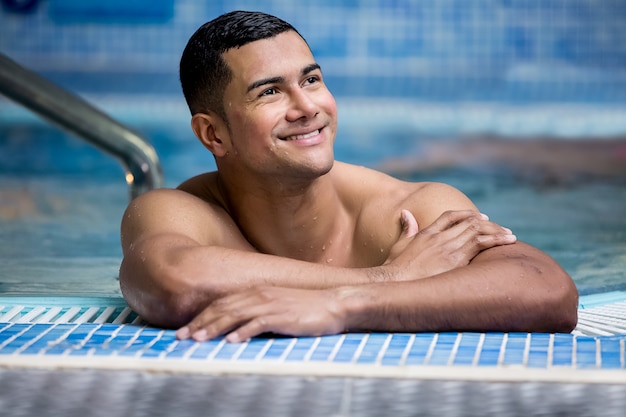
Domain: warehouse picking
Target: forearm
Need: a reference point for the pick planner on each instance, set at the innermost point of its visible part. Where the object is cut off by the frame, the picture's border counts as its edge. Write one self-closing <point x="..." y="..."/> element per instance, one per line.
<point x="169" y="283"/>
<point x="514" y="293"/>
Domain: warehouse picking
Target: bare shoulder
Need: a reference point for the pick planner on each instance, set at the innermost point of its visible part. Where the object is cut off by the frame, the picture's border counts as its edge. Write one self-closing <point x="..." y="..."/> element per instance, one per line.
<point x="429" y="200"/>
<point x="174" y="212"/>
<point x="381" y="194"/>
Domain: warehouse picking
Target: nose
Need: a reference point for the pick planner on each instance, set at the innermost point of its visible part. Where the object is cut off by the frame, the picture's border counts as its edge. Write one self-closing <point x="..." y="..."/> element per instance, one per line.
<point x="301" y="106"/>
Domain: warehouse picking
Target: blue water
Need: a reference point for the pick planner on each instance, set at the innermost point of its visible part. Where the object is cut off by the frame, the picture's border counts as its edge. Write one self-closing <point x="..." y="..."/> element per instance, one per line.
<point x="61" y="201"/>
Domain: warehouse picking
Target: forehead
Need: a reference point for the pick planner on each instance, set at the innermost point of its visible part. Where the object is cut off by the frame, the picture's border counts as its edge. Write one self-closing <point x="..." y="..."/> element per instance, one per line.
<point x="271" y="57"/>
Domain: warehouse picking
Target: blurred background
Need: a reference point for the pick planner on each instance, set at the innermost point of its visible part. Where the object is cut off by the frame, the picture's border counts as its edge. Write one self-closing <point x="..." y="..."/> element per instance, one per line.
<point x="519" y="103"/>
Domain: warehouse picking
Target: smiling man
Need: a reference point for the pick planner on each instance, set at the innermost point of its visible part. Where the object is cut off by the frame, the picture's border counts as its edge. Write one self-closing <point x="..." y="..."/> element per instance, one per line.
<point x="282" y="238"/>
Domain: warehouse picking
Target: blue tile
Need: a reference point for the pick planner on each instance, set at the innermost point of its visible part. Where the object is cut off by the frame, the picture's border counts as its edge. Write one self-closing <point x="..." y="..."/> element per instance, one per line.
<point x="396" y="349"/>
<point x="12" y="330"/>
<point x="539" y="350"/>
<point x="103" y="351"/>
<point x="325" y="347"/>
<point x="372" y="348"/>
<point x="277" y="348"/>
<point x="515" y="349"/>
<point x="466" y="350"/>
<point x="227" y="351"/>
<point x="254" y="347"/>
<point x="205" y="349"/>
<point x="442" y="352"/>
<point x="490" y="351"/>
<point x="586" y="350"/>
<point x="420" y="348"/>
<point x="150" y="332"/>
<point x="349" y="347"/>
<point x="151" y="353"/>
<point x="128" y="330"/>
<point x="562" y="351"/>
<point x="611" y="353"/>
<point x="119" y="342"/>
<point x="108" y="329"/>
<point x="181" y="348"/>
<point x="301" y="349"/>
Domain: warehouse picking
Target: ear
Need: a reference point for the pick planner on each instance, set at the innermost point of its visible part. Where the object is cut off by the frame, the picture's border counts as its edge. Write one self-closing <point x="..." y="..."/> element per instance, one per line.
<point x="212" y="132"/>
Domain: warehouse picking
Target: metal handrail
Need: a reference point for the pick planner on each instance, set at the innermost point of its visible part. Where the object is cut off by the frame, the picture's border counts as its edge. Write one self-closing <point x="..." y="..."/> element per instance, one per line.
<point x="137" y="156"/>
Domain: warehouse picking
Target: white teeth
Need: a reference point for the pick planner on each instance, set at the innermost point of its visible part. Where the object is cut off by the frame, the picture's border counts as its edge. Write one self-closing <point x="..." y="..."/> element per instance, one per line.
<point x="308" y="135"/>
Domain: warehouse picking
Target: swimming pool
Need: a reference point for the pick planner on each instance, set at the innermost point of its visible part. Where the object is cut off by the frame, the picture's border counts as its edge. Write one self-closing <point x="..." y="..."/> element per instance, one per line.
<point x="61" y="200"/>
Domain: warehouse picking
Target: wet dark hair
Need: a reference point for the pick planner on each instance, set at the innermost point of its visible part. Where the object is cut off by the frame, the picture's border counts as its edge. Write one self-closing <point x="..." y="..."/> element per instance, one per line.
<point x="204" y="74"/>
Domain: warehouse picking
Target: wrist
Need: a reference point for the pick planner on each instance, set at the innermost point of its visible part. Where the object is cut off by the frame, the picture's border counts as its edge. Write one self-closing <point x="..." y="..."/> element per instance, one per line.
<point x="383" y="273"/>
<point x="353" y="304"/>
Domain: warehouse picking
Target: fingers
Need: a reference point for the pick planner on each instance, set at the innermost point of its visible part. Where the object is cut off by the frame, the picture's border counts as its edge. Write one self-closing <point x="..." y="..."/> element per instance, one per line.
<point x="451" y="218"/>
<point x="473" y="234"/>
<point x="288" y="311"/>
<point x="253" y="328"/>
<point x="226" y="314"/>
<point x="472" y="241"/>
<point x="460" y="222"/>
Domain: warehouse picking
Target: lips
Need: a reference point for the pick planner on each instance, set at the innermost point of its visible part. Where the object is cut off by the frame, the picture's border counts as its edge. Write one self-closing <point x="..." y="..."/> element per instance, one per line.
<point x="303" y="136"/>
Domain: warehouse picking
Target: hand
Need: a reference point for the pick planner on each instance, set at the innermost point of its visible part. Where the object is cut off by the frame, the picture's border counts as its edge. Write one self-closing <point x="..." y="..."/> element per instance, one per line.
<point x="452" y="241"/>
<point x="289" y="311"/>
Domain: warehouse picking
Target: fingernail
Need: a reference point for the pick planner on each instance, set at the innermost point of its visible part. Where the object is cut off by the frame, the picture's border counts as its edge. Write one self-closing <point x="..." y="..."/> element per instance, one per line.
<point x="484" y="216"/>
<point x="506" y="229"/>
<point x="403" y="219"/>
<point x="232" y="337"/>
<point x="183" y="333"/>
<point x="200" y="335"/>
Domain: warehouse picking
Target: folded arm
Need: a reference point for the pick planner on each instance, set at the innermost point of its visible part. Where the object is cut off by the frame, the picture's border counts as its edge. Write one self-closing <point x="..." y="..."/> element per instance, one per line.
<point x="506" y="288"/>
<point x="187" y="263"/>
<point x="180" y="254"/>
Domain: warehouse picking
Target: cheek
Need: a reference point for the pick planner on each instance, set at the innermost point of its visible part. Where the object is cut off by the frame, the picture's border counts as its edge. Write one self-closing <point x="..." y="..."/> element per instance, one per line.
<point x="329" y="104"/>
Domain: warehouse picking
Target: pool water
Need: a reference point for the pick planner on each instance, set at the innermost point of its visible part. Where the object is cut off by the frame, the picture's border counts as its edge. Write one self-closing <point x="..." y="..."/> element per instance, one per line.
<point x="61" y="202"/>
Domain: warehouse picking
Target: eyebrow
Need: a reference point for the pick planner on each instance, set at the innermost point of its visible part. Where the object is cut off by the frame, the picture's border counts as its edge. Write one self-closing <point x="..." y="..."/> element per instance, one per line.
<point x="278" y="80"/>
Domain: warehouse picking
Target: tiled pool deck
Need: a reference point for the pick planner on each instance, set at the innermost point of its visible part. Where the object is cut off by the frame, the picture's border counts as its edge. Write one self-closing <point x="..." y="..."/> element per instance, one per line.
<point x="106" y="334"/>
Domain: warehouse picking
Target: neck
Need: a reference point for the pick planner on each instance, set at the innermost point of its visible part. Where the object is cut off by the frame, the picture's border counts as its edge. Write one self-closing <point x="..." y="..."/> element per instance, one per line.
<point x="304" y="220"/>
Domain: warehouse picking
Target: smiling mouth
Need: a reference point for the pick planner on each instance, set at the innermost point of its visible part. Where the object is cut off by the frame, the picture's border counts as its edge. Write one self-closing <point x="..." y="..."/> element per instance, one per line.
<point x="301" y="137"/>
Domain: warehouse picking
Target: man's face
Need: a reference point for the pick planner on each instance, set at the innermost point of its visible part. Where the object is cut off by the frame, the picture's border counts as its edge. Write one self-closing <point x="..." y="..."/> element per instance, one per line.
<point x="282" y="118"/>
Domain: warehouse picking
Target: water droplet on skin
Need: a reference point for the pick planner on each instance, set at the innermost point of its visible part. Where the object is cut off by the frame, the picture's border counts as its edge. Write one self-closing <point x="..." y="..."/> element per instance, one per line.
<point x="323" y="247"/>
<point x="329" y="260"/>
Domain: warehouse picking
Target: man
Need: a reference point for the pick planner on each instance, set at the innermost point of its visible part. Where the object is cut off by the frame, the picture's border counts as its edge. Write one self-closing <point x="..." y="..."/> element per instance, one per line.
<point x="284" y="239"/>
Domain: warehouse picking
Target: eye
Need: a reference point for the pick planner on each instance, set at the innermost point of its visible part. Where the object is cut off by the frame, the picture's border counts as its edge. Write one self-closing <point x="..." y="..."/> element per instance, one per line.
<point x="311" y="80"/>
<point x="268" y="92"/>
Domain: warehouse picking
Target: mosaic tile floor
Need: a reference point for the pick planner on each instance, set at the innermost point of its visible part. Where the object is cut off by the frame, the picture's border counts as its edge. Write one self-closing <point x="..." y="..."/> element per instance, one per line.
<point x="105" y="333"/>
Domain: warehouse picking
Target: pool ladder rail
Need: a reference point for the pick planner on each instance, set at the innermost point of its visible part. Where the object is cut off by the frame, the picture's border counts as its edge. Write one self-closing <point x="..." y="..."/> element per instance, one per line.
<point x="137" y="156"/>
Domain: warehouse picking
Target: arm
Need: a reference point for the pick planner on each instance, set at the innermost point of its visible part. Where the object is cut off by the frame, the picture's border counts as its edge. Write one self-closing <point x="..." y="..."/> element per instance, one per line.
<point x="508" y="288"/>
<point x="182" y="253"/>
